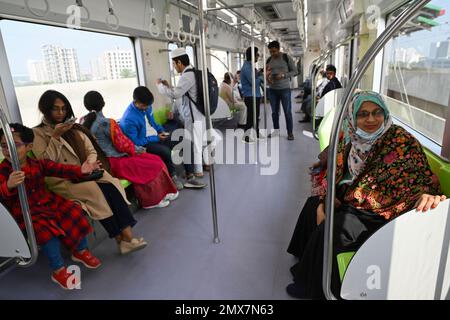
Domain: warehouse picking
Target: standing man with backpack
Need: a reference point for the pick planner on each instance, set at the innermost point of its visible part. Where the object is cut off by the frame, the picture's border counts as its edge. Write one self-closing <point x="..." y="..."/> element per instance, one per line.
<point x="192" y="106"/>
<point x="281" y="68"/>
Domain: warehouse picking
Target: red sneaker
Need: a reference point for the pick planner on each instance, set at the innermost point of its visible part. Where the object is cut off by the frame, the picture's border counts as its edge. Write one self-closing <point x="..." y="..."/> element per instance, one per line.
<point x="62" y="278"/>
<point x="87" y="259"/>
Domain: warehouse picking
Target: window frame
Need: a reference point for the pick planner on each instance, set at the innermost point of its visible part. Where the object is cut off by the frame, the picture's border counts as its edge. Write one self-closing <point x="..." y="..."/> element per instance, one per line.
<point x="442" y="151"/>
<point x="12" y="103"/>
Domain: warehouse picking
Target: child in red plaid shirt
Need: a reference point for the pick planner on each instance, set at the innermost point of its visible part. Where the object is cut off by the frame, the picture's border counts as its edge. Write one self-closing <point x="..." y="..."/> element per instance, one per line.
<point x="55" y="219"/>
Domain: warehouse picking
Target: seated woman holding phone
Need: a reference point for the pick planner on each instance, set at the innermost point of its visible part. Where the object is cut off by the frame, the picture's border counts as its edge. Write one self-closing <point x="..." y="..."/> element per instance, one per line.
<point x="152" y="183"/>
<point x="59" y="139"/>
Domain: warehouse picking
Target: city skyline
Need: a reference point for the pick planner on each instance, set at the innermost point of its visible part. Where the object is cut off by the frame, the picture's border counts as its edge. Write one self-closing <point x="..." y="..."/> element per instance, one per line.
<point x="60" y="65"/>
<point x="89" y="45"/>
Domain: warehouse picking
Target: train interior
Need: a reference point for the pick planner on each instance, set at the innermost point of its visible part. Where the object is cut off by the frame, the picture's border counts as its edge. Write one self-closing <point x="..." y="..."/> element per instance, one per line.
<point x="228" y="241"/>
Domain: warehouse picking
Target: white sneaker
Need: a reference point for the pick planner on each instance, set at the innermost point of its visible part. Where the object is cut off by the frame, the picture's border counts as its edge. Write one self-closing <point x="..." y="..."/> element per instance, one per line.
<point x="134" y="245"/>
<point x="171" y="196"/>
<point x="162" y="204"/>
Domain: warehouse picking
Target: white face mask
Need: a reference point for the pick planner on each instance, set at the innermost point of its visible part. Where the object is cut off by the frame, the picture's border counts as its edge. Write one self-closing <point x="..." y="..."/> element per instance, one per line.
<point x="369" y="136"/>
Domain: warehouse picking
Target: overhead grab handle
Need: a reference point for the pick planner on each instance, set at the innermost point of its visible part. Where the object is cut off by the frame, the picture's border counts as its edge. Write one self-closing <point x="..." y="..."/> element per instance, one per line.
<point x="191" y="29"/>
<point x="36" y="12"/>
<point x="168" y="30"/>
<point x="181" y="35"/>
<point x="153" y="28"/>
<point x="112" y="20"/>
<point x="79" y="3"/>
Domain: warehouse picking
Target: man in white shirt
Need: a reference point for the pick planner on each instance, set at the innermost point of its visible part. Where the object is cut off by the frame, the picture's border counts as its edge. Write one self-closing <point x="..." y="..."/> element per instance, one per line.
<point x="188" y="111"/>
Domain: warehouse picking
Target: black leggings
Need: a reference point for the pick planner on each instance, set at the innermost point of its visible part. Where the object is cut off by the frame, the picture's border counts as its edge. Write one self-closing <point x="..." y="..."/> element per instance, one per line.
<point x="122" y="217"/>
<point x="351" y="228"/>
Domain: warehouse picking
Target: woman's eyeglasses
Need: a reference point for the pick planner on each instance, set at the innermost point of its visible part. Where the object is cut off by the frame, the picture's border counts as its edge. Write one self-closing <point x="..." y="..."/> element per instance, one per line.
<point x="365" y="114"/>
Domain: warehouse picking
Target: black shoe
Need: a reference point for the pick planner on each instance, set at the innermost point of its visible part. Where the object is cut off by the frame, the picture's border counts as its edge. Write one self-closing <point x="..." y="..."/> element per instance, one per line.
<point x="305" y="119"/>
<point x="290" y="136"/>
<point x="296" y="291"/>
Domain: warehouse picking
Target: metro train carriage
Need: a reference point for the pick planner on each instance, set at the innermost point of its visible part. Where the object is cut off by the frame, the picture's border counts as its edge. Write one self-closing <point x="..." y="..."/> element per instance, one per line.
<point x="225" y="149"/>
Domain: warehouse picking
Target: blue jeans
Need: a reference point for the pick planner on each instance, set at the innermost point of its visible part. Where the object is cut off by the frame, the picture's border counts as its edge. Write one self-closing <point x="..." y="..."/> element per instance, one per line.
<point x="52" y="249"/>
<point x="284" y="96"/>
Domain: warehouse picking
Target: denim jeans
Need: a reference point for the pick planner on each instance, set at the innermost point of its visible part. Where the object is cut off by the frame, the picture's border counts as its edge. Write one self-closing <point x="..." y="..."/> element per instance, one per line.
<point x="52" y="249"/>
<point x="284" y="96"/>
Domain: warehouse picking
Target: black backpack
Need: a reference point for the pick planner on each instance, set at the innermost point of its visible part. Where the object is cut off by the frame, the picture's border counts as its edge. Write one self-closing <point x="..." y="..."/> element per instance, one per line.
<point x="213" y="92"/>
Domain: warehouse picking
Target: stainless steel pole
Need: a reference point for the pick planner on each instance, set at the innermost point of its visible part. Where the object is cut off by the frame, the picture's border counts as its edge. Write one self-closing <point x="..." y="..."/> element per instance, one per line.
<point x="252" y="20"/>
<point x="209" y="126"/>
<point x="22" y="192"/>
<point x="379" y="43"/>
<point x="263" y="41"/>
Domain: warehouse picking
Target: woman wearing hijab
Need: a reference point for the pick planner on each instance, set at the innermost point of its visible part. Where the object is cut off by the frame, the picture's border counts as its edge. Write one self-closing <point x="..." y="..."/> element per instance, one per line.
<point x="65" y="142"/>
<point x="382" y="172"/>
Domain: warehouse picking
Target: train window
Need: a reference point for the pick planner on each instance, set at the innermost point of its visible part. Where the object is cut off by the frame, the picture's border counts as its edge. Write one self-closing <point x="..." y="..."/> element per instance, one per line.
<point x="417" y="68"/>
<point x="219" y="64"/>
<point x="71" y="61"/>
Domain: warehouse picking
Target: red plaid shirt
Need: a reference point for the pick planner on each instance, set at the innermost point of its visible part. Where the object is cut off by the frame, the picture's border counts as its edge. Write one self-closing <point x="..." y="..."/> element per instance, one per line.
<point x="52" y="215"/>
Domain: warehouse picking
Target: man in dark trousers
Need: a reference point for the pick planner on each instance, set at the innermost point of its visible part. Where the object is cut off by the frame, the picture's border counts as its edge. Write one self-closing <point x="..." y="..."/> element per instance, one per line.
<point x="281" y="68"/>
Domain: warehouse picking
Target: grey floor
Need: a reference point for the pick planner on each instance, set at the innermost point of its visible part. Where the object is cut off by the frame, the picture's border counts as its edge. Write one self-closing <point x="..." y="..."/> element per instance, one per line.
<point x="256" y="216"/>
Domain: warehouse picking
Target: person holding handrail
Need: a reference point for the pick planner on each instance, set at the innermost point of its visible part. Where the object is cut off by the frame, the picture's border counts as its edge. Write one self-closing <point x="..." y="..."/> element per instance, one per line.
<point x="382" y="172"/>
<point x="55" y="219"/>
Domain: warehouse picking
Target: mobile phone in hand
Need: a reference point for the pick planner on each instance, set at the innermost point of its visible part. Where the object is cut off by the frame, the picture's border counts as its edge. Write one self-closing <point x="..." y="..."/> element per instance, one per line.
<point x="70" y="120"/>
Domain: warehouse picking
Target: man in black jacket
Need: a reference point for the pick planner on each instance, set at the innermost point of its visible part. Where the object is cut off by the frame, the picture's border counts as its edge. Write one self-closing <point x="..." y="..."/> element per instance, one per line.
<point x="333" y="83"/>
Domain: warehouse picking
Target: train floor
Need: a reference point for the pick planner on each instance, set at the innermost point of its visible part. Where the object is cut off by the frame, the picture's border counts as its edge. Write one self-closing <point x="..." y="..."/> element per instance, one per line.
<point x="256" y="216"/>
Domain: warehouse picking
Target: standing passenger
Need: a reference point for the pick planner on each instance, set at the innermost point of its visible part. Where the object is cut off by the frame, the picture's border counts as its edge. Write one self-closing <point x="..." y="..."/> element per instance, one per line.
<point x="247" y="91"/>
<point x="281" y="68"/>
<point x="186" y="89"/>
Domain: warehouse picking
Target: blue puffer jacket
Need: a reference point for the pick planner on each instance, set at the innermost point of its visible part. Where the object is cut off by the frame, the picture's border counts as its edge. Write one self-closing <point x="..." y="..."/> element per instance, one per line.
<point x="134" y="126"/>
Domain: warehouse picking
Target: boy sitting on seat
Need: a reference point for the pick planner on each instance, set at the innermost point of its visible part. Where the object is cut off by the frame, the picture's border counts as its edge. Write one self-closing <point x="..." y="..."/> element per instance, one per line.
<point x="55" y="219"/>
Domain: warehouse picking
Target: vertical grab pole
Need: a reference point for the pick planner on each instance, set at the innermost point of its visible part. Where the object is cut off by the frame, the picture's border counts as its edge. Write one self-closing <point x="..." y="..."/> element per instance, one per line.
<point x="22" y="192"/>
<point x="263" y="41"/>
<point x="252" y="20"/>
<point x="209" y="126"/>
<point x="379" y="43"/>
